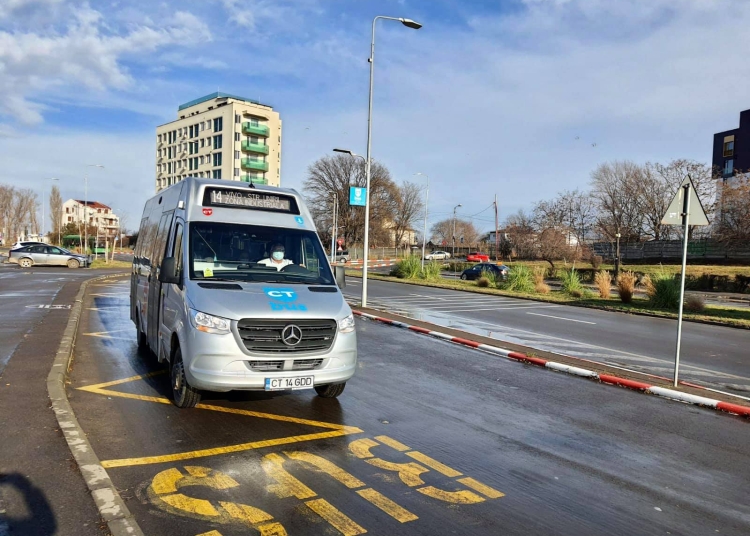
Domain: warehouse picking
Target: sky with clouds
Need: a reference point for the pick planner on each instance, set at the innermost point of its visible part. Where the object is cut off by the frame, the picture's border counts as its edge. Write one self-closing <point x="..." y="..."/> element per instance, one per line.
<point x="519" y="98"/>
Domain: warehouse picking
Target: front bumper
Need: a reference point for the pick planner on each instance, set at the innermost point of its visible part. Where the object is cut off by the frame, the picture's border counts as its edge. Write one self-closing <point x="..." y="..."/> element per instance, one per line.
<point x="217" y="363"/>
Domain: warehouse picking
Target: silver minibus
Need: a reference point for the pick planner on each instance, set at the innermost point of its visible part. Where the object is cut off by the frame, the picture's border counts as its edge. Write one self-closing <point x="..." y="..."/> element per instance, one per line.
<point x="231" y="288"/>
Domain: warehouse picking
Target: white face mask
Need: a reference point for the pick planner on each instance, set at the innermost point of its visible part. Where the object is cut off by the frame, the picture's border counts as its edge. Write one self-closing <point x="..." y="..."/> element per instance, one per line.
<point x="277" y="255"/>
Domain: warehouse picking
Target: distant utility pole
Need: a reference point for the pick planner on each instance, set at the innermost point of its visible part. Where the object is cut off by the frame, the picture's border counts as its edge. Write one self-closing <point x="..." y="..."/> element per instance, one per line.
<point x="497" y="232"/>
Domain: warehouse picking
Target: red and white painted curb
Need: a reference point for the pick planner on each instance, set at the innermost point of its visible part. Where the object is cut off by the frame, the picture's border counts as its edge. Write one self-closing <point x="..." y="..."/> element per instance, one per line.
<point x="577" y="371"/>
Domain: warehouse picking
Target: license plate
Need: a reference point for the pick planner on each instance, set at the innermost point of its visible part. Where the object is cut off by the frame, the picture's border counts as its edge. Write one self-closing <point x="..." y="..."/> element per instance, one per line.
<point x="284" y="384"/>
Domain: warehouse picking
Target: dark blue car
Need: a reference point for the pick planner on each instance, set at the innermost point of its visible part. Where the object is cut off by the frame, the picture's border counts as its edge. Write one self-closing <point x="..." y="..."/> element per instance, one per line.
<point x="475" y="272"/>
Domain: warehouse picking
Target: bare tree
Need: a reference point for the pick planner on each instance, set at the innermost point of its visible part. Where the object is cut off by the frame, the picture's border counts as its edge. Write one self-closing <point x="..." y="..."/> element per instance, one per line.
<point x="734" y="219"/>
<point x="408" y="209"/>
<point x="615" y="187"/>
<point x="552" y="245"/>
<point x="329" y="178"/>
<point x="442" y="232"/>
<point x="521" y="234"/>
<point x="17" y="212"/>
<point x="55" y="212"/>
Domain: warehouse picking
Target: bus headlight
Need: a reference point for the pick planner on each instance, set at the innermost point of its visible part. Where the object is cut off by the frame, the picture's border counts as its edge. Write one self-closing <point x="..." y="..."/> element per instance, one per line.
<point x="209" y="323"/>
<point x="346" y="325"/>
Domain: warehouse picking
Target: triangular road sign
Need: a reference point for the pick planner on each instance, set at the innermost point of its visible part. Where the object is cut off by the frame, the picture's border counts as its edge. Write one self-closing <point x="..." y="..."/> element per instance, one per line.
<point x="696" y="214"/>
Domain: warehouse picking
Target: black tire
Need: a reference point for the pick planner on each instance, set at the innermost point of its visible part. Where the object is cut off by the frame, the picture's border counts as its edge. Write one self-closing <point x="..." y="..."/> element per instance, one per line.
<point x="332" y="390"/>
<point x="140" y="336"/>
<point x="72" y="263"/>
<point x="25" y="263"/>
<point x="183" y="394"/>
<point x="463" y="277"/>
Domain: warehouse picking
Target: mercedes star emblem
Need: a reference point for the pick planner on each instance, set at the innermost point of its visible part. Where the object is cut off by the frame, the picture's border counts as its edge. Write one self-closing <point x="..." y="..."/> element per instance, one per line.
<point x="291" y="335"/>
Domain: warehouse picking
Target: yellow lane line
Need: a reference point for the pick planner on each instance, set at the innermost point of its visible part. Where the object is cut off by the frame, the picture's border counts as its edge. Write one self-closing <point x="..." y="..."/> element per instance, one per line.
<point x="386" y="505"/>
<point x="147" y="460"/>
<point x="118" y="382"/>
<point x="144" y="398"/>
<point x="336" y="518"/>
<point x="392" y="443"/>
<point x="284" y="418"/>
<point x="481" y="488"/>
<point x="433" y="464"/>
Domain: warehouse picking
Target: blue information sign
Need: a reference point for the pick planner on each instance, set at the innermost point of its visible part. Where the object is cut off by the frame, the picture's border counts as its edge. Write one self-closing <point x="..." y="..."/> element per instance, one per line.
<point x="357" y="196"/>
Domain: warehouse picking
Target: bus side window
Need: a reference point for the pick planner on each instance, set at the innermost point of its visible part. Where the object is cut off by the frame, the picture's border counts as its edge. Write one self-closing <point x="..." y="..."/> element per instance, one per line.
<point x="177" y="247"/>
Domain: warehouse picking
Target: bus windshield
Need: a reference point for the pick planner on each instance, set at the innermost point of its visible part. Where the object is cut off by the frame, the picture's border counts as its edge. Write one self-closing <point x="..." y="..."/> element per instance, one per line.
<point x="236" y="252"/>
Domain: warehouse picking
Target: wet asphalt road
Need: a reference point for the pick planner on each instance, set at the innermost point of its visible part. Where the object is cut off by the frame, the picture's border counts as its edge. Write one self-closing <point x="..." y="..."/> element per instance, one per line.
<point x="25" y="299"/>
<point x="714" y="356"/>
<point x="429" y="438"/>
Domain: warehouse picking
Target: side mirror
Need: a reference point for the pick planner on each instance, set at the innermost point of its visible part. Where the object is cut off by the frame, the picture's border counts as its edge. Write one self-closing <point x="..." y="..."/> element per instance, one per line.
<point x="168" y="272"/>
<point x="339" y="273"/>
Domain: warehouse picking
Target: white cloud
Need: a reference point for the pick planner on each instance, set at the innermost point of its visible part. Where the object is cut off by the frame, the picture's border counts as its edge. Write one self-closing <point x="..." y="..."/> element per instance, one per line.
<point x="256" y="14"/>
<point x="84" y="55"/>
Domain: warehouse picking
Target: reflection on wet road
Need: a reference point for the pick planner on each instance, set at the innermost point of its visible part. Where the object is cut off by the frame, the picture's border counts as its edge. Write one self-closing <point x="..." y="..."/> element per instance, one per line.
<point x="713" y="356"/>
<point x="428" y="438"/>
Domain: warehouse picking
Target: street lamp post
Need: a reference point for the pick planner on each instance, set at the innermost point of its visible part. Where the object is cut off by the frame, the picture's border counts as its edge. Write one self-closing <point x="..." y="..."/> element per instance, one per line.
<point x="617" y="255"/>
<point x="368" y="160"/>
<point x="44" y="191"/>
<point x="454" y="229"/>
<point x="86" y="207"/>
<point x="424" y="235"/>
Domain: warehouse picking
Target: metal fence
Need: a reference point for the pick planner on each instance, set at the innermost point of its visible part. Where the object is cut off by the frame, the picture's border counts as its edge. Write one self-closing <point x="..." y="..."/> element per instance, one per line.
<point x="707" y="249"/>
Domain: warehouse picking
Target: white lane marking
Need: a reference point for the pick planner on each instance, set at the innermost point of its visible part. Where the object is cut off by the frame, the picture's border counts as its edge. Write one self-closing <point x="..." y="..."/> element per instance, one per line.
<point x="498" y="307"/>
<point x="561" y="318"/>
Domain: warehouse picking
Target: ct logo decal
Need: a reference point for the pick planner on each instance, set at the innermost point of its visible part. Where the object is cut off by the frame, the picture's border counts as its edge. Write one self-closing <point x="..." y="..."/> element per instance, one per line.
<point x="281" y="294"/>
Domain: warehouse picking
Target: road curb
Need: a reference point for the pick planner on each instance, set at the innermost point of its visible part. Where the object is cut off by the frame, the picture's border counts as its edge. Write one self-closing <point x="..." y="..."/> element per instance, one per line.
<point x="643" y="387"/>
<point x="108" y="501"/>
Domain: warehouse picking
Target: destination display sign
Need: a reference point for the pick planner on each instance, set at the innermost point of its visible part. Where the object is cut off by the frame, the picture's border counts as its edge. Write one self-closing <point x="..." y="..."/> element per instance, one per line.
<point x="249" y="199"/>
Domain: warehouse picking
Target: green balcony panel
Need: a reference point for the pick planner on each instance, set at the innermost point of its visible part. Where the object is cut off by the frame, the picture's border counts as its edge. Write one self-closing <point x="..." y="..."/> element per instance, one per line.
<point x="257" y="130"/>
<point x="254" y="165"/>
<point x="254" y="179"/>
<point x="254" y="147"/>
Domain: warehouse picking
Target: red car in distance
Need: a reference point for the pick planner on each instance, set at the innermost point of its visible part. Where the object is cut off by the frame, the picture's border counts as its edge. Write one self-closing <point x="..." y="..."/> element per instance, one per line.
<point x="477" y="257"/>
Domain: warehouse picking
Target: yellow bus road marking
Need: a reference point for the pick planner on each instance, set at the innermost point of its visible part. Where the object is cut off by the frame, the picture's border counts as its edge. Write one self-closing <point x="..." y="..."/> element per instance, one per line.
<point x="100" y="386"/>
<point x="147" y="460"/>
<point x="211" y="533"/>
<point x="288" y="486"/>
<point x="327" y="467"/>
<point x="392" y="443"/>
<point x="361" y="448"/>
<point x="433" y="464"/>
<point x="481" y="488"/>
<point x="336" y="430"/>
<point x="386" y="505"/>
<point x="456" y="497"/>
<point x="336" y="518"/>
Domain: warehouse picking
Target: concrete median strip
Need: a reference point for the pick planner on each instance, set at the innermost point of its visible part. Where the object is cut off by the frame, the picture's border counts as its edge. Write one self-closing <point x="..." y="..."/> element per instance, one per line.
<point x="111" y="506"/>
<point x="577" y="371"/>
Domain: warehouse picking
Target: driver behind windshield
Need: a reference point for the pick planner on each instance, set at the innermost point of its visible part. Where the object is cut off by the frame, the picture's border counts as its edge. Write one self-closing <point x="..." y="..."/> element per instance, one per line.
<point x="276" y="258"/>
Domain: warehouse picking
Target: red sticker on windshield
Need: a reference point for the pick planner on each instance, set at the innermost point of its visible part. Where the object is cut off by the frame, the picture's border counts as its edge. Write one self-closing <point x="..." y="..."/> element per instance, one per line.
<point x="208" y="211"/>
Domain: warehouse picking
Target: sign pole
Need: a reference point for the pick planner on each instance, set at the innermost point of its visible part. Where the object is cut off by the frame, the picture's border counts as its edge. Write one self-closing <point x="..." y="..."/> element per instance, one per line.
<point x="685" y="220"/>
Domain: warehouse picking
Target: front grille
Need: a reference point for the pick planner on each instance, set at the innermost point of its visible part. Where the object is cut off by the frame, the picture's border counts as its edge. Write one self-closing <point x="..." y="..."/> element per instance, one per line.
<point x="264" y="336"/>
<point x="265" y="366"/>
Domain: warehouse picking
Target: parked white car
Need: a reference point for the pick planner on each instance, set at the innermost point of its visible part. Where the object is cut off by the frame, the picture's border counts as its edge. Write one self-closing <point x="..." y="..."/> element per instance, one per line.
<point x="437" y="256"/>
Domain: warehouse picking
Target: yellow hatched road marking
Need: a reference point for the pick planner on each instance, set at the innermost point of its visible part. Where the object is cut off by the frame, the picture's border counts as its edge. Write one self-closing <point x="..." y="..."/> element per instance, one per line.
<point x="386" y="505"/>
<point x="481" y="488"/>
<point x="336" y="518"/>
<point x="433" y="464"/>
<point x="127" y="462"/>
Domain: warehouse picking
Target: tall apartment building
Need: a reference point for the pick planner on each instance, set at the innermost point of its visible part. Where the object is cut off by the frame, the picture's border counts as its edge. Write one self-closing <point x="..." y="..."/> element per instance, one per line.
<point x="220" y="136"/>
<point x="731" y="151"/>
<point x="97" y="214"/>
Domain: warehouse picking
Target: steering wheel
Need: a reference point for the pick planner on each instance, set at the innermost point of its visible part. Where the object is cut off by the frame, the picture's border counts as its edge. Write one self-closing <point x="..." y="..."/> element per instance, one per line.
<point x="294" y="269"/>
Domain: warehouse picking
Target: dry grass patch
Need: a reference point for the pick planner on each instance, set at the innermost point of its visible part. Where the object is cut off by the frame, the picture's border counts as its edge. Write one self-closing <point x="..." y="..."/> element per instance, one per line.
<point x="695" y="304"/>
<point x="626" y="286"/>
<point x="603" y="281"/>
